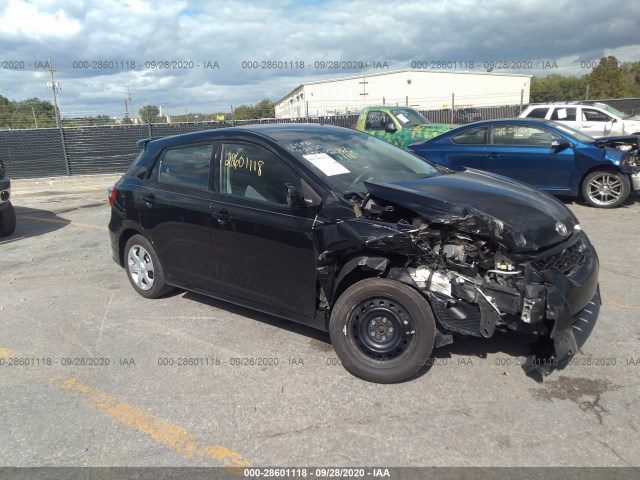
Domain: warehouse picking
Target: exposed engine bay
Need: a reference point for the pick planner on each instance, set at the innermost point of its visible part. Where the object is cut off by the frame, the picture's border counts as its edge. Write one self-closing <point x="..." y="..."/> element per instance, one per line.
<point x="475" y="284"/>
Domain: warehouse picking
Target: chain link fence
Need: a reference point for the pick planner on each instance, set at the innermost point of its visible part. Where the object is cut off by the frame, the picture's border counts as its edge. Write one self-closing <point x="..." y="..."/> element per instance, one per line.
<point x="90" y="150"/>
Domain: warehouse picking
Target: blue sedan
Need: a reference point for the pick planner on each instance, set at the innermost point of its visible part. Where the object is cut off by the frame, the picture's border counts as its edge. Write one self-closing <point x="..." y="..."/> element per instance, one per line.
<point x="545" y="154"/>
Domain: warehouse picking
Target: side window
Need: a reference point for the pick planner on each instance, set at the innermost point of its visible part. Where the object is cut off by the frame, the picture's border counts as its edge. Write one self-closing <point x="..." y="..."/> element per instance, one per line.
<point x="564" y="114"/>
<point x="186" y="167"/>
<point x="376" y="120"/>
<point x="521" y="135"/>
<point x="251" y="172"/>
<point x="474" y="136"/>
<point x="591" y="115"/>
<point x="540" y="112"/>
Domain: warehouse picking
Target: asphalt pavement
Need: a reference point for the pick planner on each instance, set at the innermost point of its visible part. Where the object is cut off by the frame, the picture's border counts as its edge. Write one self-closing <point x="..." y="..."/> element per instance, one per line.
<point x="92" y="374"/>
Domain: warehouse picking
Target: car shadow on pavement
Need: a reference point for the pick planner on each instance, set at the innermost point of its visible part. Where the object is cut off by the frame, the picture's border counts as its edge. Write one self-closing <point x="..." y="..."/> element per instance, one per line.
<point x="312" y="333"/>
<point x="33" y="222"/>
<point x="508" y="345"/>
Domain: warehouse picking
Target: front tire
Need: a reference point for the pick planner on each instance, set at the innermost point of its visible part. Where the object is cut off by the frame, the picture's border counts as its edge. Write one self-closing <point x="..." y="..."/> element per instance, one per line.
<point x="144" y="269"/>
<point x="606" y="189"/>
<point x="7" y="220"/>
<point x="382" y="330"/>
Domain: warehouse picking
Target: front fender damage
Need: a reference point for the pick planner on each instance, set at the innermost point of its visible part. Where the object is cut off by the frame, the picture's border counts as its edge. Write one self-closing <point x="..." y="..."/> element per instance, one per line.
<point x="473" y="282"/>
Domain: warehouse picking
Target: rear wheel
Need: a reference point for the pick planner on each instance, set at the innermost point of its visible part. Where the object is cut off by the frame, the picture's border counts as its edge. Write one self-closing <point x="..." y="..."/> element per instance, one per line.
<point x="382" y="330"/>
<point x="7" y="220"/>
<point x="144" y="269"/>
<point x="605" y="189"/>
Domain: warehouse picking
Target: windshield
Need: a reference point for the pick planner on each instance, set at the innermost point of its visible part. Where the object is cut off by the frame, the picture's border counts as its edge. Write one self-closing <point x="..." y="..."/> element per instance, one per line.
<point x="612" y="110"/>
<point x="581" y="137"/>
<point x="409" y="117"/>
<point x="346" y="159"/>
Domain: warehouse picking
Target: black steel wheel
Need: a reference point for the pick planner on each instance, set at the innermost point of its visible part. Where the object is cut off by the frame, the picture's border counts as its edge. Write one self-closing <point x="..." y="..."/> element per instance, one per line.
<point x="382" y="330"/>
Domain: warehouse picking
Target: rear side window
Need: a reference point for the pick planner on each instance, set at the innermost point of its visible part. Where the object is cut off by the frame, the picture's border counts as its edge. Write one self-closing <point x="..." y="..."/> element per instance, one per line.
<point x="474" y="136"/>
<point x="186" y="167"/>
<point x="540" y="112"/>
<point x="564" y="114"/>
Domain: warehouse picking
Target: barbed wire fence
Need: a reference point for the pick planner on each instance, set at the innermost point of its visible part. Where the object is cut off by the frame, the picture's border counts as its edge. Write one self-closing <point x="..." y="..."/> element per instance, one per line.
<point x="89" y="144"/>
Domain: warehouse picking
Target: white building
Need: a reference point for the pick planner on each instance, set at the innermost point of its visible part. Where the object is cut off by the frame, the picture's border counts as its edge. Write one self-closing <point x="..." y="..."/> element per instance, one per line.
<point x="420" y="89"/>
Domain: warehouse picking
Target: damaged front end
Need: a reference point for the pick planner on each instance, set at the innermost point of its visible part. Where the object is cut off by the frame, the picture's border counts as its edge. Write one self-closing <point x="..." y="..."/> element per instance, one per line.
<point x="626" y="156"/>
<point x="480" y="275"/>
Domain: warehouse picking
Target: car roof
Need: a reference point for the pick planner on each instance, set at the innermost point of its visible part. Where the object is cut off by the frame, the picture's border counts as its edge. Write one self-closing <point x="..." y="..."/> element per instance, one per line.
<point x="531" y="121"/>
<point x="259" y="130"/>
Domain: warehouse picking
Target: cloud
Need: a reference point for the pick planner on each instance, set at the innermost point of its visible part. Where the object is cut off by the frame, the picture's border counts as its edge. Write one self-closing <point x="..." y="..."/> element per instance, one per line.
<point x="119" y="32"/>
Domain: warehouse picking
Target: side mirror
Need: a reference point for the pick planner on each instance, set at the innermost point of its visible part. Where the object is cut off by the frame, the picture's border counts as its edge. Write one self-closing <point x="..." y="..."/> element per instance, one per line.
<point x="560" y="143"/>
<point x="390" y="127"/>
<point x="294" y="197"/>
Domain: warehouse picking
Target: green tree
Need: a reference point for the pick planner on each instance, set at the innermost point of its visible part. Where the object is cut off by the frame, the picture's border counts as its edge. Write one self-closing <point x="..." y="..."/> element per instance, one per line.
<point x="149" y="113"/>
<point x="554" y="88"/>
<point x="244" y="112"/>
<point x="265" y="109"/>
<point x="609" y="80"/>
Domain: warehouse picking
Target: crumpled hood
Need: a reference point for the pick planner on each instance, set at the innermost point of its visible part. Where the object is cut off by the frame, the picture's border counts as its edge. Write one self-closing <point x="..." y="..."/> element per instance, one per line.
<point x="516" y="215"/>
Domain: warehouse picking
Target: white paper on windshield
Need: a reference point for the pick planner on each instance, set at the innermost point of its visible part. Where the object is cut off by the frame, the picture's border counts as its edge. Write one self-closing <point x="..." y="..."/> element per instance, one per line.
<point x="562" y="113"/>
<point x="402" y="118"/>
<point x="326" y="164"/>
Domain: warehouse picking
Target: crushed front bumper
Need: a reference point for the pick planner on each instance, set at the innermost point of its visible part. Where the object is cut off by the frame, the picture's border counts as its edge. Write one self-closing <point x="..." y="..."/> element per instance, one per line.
<point x="573" y="304"/>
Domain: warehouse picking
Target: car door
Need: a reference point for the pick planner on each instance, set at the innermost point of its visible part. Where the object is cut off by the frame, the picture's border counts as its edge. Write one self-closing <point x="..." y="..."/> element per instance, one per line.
<point x="525" y="153"/>
<point x="174" y="211"/>
<point x="596" y="123"/>
<point x="263" y="249"/>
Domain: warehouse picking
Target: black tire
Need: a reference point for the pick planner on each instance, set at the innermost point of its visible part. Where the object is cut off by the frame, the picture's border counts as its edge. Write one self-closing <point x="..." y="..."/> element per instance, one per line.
<point x="7" y="220"/>
<point x="143" y="267"/>
<point x="362" y="318"/>
<point x="605" y="189"/>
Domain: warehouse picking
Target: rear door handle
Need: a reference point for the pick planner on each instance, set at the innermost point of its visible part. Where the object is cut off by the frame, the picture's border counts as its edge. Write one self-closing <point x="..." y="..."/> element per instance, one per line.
<point x="493" y="155"/>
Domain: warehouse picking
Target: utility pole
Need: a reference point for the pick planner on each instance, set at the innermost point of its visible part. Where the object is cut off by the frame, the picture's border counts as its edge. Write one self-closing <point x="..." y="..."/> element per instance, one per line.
<point x="133" y="113"/>
<point x="54" y="86"/>
<point x="34" y="116"/>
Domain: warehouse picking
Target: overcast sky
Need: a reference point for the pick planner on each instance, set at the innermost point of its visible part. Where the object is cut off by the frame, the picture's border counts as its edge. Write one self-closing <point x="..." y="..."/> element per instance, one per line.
<point x="569" y="33"/>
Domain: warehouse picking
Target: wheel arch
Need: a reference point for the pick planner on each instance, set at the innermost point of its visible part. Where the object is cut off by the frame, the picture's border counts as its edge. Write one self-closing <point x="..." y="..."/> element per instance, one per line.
<point x="122" y="241"/>
<point x="365" y="265"/>
<point x="603" y="167"/>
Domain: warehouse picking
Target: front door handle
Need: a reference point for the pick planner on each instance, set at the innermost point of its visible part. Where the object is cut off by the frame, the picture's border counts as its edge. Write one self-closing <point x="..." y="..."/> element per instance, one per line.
<point x="222" y="216"/>
<point x="149" y="199"/>
<point x="493" y="155"/>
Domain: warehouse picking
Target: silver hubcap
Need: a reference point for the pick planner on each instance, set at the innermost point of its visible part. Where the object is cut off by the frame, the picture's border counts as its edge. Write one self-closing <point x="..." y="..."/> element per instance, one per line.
<point x="605" y="189"/>
<point x="141" y="267"/>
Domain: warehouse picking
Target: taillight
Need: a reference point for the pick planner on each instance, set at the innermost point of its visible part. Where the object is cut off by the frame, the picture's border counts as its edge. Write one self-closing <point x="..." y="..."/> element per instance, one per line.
<point x="112" y="194"/>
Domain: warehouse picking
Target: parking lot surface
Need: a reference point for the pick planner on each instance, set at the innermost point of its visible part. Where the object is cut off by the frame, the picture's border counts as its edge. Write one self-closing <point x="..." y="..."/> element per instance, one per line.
<point x="92" y="374"/>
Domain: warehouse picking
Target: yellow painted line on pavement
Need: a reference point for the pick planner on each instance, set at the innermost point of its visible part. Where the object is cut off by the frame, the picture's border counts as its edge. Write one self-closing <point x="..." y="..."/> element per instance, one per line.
<point x="171" y="436"/>
<point x="63" y="222"/>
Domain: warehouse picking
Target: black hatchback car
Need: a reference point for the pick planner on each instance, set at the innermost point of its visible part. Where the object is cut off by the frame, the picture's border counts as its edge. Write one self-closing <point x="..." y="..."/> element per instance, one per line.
<point x="346" y="233"/>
